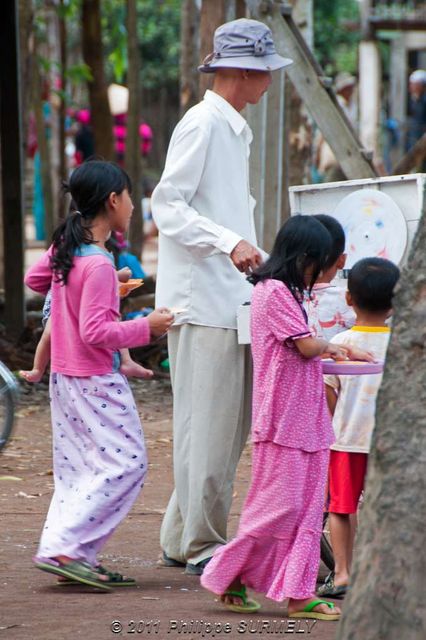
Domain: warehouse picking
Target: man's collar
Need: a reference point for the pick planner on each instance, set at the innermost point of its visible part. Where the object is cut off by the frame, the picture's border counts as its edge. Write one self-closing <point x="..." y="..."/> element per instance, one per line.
<point x="236" y="120"/>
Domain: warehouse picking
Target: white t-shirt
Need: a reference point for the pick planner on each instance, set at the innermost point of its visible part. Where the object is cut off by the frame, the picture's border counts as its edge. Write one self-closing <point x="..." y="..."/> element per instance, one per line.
<point x="354" y="417"/>
<point x="327" y="310"/>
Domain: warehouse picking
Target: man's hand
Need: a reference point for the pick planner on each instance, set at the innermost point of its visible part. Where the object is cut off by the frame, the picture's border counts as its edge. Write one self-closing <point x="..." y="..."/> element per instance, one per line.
<point x="246" y="257"/>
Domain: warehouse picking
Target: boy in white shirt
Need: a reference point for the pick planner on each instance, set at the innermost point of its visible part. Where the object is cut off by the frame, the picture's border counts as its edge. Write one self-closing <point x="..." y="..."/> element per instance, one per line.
<point x="352" y="402"/>
<point x="326" y="306"/>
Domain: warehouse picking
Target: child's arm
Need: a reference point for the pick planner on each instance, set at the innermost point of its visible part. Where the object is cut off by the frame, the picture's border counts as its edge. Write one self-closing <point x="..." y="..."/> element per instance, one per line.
<point x="39" y="276"/>
<point x="312" y="347"/>
<point x="41" y="358"/>
<point x="96" y="326"/>
<point x="331" y="396"/>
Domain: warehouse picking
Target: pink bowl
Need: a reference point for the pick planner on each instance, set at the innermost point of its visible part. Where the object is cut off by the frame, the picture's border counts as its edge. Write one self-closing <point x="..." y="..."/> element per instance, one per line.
<point x="351" y="367"/>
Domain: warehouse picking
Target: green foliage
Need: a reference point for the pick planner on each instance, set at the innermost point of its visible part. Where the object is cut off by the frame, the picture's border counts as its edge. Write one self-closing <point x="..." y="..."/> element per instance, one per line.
<point x="115" y="38"/>
<point x="158" y="33"/>
<point x="336" y="45"/>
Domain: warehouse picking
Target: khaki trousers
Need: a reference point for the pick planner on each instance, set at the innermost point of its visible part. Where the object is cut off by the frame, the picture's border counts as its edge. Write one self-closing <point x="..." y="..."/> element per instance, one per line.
<point x="212" y="380"/>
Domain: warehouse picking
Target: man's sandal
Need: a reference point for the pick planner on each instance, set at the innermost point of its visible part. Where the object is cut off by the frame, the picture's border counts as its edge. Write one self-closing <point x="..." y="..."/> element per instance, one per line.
<point x="248" y="606"/>
<point x="76" y="571"/>
<point x="308" y="612"/>
<point x="330" y="590"/>
<point x="114" y="579"/>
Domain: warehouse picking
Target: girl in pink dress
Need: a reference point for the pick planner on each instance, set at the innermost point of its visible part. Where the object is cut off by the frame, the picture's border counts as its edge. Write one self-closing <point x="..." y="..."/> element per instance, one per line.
<point x="277" y="547"/>
<point x="99" y="455"/>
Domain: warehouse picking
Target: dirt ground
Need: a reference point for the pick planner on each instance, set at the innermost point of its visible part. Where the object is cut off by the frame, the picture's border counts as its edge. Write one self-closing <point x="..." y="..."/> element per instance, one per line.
<point x="166" y="603"/>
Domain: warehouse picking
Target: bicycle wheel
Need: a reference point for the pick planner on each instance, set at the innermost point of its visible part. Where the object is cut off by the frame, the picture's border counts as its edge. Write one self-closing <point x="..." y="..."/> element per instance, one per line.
<point x="8" y="391"/>
<point x="326" y="550"/>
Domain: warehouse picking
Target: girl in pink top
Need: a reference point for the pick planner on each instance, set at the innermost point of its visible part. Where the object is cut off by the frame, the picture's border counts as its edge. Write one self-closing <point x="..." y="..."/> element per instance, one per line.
<point x="277" y="547"/>
<point x="99" y="456"/>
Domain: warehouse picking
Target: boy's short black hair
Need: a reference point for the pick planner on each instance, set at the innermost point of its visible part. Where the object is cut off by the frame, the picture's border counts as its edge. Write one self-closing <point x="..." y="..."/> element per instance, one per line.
<point x="338" y="240"/>
<point x="371" y="283"/>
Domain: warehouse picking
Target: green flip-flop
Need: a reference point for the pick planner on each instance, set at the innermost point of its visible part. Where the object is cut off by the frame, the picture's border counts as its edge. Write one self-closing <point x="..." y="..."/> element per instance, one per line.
<point x="248" y="606"/>
<point x="115" y="579"/>
<point x="308" y="612"/>
<point x="76" y="571"/>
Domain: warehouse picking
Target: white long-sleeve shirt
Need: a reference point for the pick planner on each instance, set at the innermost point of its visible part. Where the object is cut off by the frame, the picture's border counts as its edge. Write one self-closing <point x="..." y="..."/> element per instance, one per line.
<point x="202" y="207"/>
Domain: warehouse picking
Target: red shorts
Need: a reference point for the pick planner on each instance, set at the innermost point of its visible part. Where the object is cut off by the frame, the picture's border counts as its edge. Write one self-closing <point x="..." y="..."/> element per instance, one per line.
<point x="346" y="478"/>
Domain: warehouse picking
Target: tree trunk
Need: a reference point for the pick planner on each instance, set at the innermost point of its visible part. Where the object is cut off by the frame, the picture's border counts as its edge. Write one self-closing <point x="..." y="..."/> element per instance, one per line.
<point x="43" y="148"/>
<point x="26" y="16"/>
<point x="54" y="56"/>
<point x="386" y="599"/>
<point x="240" y="9"/>
<point x="213" y="14"/>
<point x="298" y="122"/>
<point x="98" y="95"/>
<point x="188" y="55"/>
<point x="63" y="169"/>
<point x="133" y="153"/>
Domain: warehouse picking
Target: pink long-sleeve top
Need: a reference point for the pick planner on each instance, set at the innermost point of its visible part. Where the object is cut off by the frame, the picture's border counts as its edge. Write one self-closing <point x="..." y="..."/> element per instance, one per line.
<point x="85" y="326"/>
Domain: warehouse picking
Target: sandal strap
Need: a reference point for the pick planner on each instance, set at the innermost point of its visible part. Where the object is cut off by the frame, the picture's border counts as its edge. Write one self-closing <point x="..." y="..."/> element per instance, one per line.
<point x="80" y="569"/>
<point x="238" y="594"/>
<point x="309" y="607"/>
<point x="113" y="576"/>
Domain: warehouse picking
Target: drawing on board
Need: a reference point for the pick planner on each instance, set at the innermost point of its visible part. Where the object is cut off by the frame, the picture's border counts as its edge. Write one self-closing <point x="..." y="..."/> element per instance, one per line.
<point x="374" y="225"/>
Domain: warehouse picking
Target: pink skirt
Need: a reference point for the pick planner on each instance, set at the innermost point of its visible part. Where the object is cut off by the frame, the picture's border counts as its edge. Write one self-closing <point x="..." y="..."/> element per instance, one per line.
<point x="277" y="547"/>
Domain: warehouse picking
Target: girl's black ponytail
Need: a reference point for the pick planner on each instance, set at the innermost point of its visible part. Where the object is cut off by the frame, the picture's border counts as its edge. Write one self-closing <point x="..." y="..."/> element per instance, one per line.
<point x="90" y="187"/>
<point x="67" y="237"/>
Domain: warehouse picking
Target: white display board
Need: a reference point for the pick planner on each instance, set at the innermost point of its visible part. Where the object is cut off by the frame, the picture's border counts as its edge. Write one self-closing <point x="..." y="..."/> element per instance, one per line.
<point x="379" y="215"/>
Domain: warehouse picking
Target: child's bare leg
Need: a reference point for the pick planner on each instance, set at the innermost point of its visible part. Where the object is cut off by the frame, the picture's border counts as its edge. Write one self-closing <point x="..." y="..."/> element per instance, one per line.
<point x="41" y="357"/>
<point x="341" y="536"/>
<point x="235" y="586"/>
<point x="295" y="606"/>
<point x="353" y="522"/>
<point x="131" y="368"/>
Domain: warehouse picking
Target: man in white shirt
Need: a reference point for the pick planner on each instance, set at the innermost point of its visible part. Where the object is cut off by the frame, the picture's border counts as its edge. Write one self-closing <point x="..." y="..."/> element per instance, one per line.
<point x="207" y="244"/>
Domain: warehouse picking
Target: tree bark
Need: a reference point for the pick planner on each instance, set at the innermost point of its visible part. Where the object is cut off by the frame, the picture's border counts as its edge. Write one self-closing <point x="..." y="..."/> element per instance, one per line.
<point x="213" y="14"/>
<point x="386" y="599"/>
<point x="188" y="55"/>
<point x="98" y="94"/>
<point x="133" y="153"/>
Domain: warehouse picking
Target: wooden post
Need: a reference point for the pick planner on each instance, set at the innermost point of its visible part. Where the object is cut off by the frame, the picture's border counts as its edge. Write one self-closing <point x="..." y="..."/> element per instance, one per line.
<point x="11" y="170"/>
<point x="398" y="78"/>
<point x="276" y="170"/>
<point x="369" y="94"/>
<point x="257" y="119"/>
<point x="308" y="79"/>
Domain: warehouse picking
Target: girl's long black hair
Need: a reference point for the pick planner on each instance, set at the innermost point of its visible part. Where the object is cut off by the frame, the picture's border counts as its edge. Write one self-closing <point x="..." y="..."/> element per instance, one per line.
<point x="302" y="243"/>
<point x="90" y="186"/>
